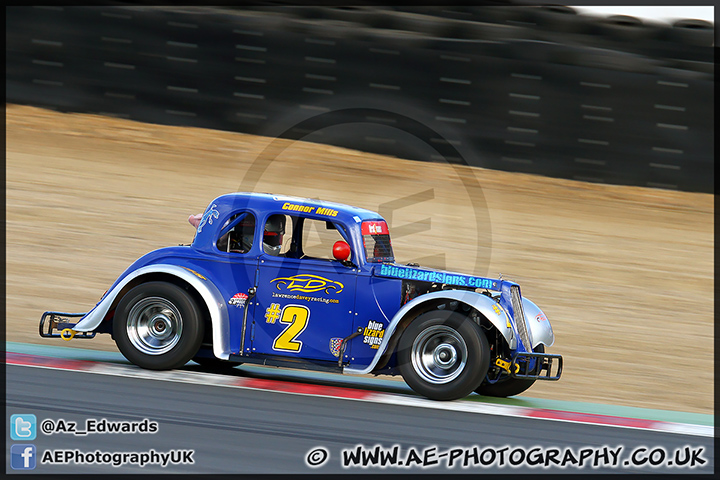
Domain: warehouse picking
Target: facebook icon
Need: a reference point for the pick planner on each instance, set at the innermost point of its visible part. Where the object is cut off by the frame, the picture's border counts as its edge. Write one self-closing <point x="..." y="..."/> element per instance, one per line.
<point x="22" y="457"/>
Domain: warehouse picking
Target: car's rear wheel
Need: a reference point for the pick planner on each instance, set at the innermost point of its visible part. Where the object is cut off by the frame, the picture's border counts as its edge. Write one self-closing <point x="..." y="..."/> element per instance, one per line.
<point x="443" y="355"/>
<point x="158" y="325"/>
<point x="508" y="386"/>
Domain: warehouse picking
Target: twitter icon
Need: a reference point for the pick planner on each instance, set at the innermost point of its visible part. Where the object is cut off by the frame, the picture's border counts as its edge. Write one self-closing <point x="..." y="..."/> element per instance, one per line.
<point x="23" y="426"/>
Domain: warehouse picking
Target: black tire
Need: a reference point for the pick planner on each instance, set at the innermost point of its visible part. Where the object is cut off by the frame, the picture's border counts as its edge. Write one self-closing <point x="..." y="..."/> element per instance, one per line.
<point x="215" y="363"/>
<point x="439" y="337"/>
<point x="158" y="326"/>
<point x="508" y="386"/>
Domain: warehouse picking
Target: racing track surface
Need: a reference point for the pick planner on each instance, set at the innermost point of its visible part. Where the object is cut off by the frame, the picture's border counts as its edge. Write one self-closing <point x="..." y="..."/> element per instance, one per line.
<point x="236" y="430"/>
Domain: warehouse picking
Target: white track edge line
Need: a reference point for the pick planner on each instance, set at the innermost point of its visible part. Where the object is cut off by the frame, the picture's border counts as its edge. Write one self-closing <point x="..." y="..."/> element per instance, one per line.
<point x="385" y="398"/>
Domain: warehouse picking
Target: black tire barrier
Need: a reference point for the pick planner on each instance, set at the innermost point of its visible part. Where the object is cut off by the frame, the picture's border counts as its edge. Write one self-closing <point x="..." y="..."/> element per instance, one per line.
<point x="516" y="95"/>
<point x="624" y="28"/>
<point x="504" y="15"/>
<point x="306" y="12"/>
<point x="425" y="24"/>
<point x="693" y="32"/>
<point x="357" y="14"/>
<point x="559" y="18"/>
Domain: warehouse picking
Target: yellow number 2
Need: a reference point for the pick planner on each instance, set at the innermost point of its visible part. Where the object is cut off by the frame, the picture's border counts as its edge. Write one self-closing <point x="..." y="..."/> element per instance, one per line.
<point x="297" y="317"/>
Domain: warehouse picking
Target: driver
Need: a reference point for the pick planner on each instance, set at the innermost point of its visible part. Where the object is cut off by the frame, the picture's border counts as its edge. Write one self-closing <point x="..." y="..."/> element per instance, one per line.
<point x="241" y="236"/>
<point x="273" y="235"/>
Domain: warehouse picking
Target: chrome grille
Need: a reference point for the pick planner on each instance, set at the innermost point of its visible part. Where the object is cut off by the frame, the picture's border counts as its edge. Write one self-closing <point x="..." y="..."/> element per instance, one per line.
<point x="520" y="317"/>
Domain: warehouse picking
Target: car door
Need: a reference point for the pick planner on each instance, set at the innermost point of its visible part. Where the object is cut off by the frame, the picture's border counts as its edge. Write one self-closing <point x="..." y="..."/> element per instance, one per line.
<point x="234" y="266"/>
<point x="303" y="306"/>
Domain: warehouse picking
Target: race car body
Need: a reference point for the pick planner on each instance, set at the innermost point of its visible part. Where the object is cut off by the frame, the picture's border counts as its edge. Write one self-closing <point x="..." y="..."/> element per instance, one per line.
<point x="303" y="283"/>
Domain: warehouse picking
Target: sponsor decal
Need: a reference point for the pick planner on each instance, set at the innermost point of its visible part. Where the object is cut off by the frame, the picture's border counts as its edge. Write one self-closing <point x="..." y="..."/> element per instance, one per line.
<point x="307" y="209"/>
<point x="208" y="217"/>
<point x="375" y="227"/>
<point x="272" y="313"/>
<point x="540" y="317"/>
<point x="196" y="273"/>
<point x="238" y="300"/>
<point x="496" y="308"/>
<point x="373" y="334"/>
<point x="307" y="283"/>
<point x="437" y="277"/>
<point x="335" y="346"/>
<point x="296" y="296"/>
<point x="297" y="208"/>
<point x="327" y="211"/>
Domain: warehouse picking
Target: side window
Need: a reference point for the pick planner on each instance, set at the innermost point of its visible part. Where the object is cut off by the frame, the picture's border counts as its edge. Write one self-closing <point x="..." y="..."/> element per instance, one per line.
<point x="278" y="235"/>
<point x="237" y="234"/>
<point x="318" y="238"/>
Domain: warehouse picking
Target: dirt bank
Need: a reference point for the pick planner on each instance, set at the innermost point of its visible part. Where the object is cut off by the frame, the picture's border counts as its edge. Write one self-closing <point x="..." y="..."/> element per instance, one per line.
<point x="625" y="274"/>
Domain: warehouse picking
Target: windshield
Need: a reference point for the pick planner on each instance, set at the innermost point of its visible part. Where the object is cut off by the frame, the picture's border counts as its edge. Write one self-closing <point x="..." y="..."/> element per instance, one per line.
<point x="376" y="240"/>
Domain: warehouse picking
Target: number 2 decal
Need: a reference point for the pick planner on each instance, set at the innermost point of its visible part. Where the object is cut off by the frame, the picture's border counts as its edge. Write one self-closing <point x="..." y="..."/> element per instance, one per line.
<point x="297" y="318"/>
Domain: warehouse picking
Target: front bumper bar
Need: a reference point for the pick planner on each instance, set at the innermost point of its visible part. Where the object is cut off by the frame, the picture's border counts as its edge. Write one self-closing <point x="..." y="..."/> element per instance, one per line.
<point x="531" y="366"/>
<point x="56" y="325"/>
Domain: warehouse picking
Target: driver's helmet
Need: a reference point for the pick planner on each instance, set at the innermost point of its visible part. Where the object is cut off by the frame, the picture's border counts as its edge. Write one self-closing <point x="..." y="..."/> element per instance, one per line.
<point x="273" y="235"/>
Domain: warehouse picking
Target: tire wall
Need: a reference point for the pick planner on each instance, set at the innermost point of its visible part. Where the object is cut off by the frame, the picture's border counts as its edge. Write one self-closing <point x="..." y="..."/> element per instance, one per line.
<point x="527" y="89"/>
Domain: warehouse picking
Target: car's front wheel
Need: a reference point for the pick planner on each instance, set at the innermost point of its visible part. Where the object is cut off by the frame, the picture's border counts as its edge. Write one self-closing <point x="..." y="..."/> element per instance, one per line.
<point x="443" y="355"/>
<point x="158" y="325"/>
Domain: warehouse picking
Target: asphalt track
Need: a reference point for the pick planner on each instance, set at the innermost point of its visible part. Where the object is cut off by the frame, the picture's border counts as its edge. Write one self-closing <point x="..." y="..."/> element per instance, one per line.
<point x="248" y="430"/>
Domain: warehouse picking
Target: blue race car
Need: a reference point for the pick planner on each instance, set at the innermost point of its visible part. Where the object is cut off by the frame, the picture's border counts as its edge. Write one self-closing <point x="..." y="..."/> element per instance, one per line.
<point x="301" y="283"/>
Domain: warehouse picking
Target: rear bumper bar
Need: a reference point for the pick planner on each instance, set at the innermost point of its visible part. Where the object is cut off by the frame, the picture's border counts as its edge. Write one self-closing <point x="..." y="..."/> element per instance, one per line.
<point x="532" y="365"/>
<point x="56" y="325"/>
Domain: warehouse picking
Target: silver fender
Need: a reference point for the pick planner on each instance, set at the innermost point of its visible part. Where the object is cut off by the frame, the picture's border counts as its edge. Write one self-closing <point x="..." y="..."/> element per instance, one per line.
<point x="207" y="290"/>
<point x="480" y="302"/>
<point x="540" y="329"/>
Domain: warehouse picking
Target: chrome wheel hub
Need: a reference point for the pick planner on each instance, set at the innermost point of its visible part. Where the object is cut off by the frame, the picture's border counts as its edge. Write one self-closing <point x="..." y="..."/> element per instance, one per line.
<point x="154" y="325"/>
<point x="445" y="355"/>
<point x="439" y="354"/>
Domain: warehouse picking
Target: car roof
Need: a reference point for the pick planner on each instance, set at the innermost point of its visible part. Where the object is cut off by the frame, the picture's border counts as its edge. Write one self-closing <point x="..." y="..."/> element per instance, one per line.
<point x="220" y="210"/>
<point x="262" y="202"/>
